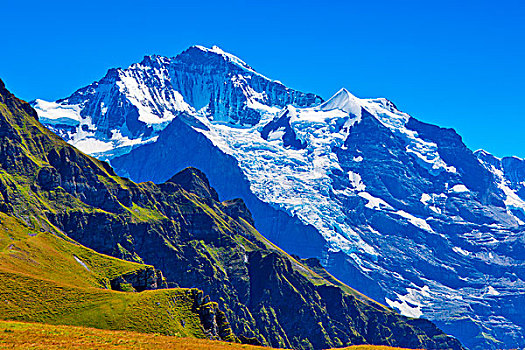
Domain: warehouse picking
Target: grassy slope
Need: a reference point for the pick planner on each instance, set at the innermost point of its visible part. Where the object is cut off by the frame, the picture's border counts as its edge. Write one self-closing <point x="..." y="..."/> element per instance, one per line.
<point x="16" y="335"/>
<point x="43" y="282"/>
<point x="47" y="256"/>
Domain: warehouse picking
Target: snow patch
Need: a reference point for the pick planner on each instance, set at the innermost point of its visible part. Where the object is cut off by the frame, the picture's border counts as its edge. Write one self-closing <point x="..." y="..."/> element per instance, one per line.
<point x="355" y="180"/>
<point x="53" y="113"/>
<point x="425" y="198"/>
<point x="81" y="262"/>
<point x="459" y="188"/>
<point x="461" y="251"/>
<point x="91" y="145"/>
<point x="374" y="202"/>
<point x="418" y="222"/>
<point x="411" y="303"/>
<point x="434" y="201"/>
<point x="492" y="291"/>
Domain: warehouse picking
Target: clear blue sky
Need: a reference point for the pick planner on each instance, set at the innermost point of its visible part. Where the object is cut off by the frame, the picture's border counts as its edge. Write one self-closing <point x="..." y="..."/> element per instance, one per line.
<point x="457" y="64"/>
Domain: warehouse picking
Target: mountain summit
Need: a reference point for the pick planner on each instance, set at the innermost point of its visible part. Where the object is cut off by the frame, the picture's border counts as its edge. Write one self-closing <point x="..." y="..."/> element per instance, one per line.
<point x="344" y="101"/>
<point x="129" y="107"/>
<point x="397" y="208"/>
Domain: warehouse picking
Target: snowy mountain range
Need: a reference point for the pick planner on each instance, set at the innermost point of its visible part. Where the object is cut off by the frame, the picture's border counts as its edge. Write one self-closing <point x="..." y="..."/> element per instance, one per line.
<point x="399" y="209"/>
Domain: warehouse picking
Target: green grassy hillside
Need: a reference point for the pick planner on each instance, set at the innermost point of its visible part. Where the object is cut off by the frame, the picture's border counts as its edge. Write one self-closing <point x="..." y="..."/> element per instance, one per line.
<point x="41" y="254"/>
<point x="46" y="278"/>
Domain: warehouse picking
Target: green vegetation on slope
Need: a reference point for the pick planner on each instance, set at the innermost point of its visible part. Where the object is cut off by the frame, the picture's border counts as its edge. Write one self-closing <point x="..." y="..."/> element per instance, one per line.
<point x="41" y="254"/>
<point x="156" y="311"/>
<point x="46" y="278"/>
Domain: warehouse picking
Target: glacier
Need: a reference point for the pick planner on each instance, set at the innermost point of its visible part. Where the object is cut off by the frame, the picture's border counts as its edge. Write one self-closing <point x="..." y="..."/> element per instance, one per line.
<point x="399" y="209"/>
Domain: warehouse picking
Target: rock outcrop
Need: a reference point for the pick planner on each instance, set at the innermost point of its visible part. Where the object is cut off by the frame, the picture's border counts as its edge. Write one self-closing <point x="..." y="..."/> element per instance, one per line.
<point x="139" y="280"/>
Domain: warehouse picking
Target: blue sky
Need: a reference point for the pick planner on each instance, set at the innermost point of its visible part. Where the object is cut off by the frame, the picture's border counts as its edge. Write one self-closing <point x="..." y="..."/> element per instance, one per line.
<point x="457" y="64"/>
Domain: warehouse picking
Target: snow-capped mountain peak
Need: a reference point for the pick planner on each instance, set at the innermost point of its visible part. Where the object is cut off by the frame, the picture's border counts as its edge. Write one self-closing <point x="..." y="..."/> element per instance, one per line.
<point x="345" y="101"/>
<point x="129" y="107"/>
<point x="227" y="56"/>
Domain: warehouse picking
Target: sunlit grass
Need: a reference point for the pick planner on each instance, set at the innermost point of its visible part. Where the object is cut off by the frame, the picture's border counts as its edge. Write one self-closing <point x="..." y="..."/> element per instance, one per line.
<point x="17" y="335"/>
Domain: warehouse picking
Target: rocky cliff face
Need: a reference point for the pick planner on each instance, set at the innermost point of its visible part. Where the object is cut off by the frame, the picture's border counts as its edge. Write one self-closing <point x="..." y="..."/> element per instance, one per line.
<point x="180" y="227"/>
<point x="228" y="88"/>
<point x="508" y="174"/>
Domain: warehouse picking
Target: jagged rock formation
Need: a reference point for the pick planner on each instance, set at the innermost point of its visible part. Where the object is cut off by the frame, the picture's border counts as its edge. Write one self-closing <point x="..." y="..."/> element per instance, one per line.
<point x="181" y="228"/>
<point x="214" y="321"/>
<point x="139" y="280"/>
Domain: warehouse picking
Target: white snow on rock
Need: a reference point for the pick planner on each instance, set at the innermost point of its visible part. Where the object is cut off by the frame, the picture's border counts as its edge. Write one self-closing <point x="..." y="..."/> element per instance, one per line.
<point x="147" y="100"/>
<point x="92" y="145"/>
<point x="355" y="180"/>
<point x="434" y="201"/>
<point x="459" y="188"/>
<point x="374" y="202"/>
<point x="513" y="202"/>
<point x="232" y="58"/>
<point x="344" y="101"/>
<point x="418" y="222"/>
<point x="492" y="291"/>
<point x="461" y="251"/>
<point x="52" y="113"/>
<point x="411" y="304"/>
<point x="425" y="198"/>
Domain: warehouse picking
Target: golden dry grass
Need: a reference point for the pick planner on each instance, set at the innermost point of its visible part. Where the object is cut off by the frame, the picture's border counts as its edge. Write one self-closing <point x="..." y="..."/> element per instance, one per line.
<point x="20" y="335"/>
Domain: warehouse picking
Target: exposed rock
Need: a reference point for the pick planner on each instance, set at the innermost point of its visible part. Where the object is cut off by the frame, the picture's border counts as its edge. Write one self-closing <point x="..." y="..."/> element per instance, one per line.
<point x="139" y="280"/>
<point x="193" y="180"/>
<point x="236" y="208"/>
<point x="214" y="321"/>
